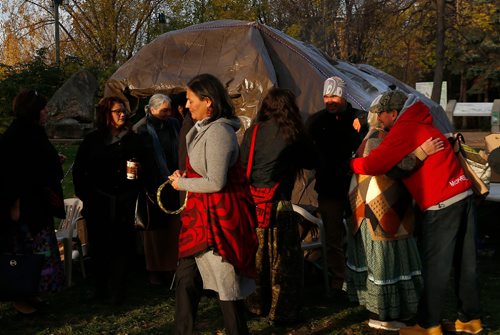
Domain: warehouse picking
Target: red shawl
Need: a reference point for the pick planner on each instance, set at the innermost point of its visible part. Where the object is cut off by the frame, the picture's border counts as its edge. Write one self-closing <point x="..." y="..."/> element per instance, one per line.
<point x="224" y="221"/>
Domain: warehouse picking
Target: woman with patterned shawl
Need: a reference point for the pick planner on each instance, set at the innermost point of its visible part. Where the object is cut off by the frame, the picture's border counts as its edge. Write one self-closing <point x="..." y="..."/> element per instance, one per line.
<point x="217" y="242"/>
<point x="383" y="264"/>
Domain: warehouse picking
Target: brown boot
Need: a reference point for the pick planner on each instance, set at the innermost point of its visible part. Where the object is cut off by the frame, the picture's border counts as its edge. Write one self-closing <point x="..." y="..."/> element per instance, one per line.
<point x="24" y="307"/>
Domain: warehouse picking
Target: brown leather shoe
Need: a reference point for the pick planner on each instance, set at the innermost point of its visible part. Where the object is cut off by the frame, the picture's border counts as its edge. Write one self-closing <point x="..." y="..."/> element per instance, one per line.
<point x="470" y="327"/>
<point x="24" y="307"/>
<point x="417" y="330"/>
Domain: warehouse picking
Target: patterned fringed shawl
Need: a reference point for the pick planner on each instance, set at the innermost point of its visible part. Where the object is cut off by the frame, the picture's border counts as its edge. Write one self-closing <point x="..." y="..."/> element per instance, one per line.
<point x="383" y="201"/>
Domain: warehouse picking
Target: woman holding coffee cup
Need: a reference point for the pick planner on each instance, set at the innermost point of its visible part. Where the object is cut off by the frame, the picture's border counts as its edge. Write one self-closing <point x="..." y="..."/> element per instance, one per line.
<point x="107" y="178"/>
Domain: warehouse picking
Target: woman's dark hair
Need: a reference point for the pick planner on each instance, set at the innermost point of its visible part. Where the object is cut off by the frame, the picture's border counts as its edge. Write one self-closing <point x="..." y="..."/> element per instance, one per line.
<point x="103" y="112"/>
<point x="208" y="86"/>
<point x="279" y="104"/>
<point x="27" y="106"/>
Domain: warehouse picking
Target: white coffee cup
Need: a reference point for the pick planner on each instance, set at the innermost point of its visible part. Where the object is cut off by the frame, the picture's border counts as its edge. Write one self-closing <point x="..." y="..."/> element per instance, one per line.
<point x="132" y="169"/>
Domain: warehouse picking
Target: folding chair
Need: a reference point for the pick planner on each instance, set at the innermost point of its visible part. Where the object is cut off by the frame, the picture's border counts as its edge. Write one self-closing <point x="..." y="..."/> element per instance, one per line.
<point x="67" y="234"/>
<point x="319" y="243"/>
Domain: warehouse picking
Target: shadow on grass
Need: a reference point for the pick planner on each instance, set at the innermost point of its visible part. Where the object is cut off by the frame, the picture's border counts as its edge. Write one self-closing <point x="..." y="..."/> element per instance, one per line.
<point x="150" y="310"/>
<point x="73" y="311"/>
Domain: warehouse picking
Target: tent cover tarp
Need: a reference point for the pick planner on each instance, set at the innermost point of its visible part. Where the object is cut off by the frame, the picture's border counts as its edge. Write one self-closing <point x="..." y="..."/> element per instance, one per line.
<point x="249" y="58"/>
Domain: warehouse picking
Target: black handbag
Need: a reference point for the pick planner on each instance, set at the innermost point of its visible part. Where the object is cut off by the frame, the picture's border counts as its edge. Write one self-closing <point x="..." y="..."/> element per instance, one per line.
<point x="142" y="211"/>
<point x="20" y="275"/>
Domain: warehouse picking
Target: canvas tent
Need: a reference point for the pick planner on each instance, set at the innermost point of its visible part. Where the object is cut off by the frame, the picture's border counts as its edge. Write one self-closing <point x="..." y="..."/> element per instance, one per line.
<point x="249" y="58"/>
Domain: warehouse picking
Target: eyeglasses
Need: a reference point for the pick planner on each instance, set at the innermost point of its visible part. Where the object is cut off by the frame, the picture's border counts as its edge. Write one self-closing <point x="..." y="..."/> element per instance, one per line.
<point x="119" y="111"/>
<point x="380" y="112"/>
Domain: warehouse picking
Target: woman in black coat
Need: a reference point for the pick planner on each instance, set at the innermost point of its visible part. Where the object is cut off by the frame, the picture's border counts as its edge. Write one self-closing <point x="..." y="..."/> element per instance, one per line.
<point x="31" y="193"/>
<point x="100" y="180"/>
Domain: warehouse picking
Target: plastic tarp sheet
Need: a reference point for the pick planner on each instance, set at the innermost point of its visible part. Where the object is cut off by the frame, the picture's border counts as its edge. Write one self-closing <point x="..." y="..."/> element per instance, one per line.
<point x="249" y="58"/>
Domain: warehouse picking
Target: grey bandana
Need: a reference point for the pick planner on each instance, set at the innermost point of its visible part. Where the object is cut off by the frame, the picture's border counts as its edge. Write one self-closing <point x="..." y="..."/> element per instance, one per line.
<point x="334" y="86"/>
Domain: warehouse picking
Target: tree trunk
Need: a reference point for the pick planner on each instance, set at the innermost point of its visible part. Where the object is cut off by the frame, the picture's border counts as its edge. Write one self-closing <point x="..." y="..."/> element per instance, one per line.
<point x="463" y="87"/>
<point x="347" y="30"/>
<point x="440" y="48"/>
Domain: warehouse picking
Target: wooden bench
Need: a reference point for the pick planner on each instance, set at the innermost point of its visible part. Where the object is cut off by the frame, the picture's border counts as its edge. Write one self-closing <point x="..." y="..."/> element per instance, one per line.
<point x="475" y="109"/>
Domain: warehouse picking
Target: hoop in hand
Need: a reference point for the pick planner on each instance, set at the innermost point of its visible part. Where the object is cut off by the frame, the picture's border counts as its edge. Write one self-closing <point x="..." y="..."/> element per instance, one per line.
<point x="158" y="198"/>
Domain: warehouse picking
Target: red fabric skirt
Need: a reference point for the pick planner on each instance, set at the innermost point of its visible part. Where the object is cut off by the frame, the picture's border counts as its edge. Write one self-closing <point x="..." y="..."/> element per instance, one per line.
<point x="223" y="221"/>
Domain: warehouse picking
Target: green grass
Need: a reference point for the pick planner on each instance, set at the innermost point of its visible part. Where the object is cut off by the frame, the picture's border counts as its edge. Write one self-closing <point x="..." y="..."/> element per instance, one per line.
<point x="69" y="150"/>
<point x="150" y="310"/>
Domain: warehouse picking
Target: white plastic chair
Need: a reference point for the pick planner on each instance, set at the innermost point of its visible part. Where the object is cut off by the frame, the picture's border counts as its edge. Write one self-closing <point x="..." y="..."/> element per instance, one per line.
<point x="67" y="233"/>
<point x="319" y="243"/>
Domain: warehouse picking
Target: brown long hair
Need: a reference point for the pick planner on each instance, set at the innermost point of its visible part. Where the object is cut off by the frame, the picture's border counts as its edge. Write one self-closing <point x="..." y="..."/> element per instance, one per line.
<point x="279" y="104"/>
<point x="208" y="86"/>
<point x="103" y="112"/>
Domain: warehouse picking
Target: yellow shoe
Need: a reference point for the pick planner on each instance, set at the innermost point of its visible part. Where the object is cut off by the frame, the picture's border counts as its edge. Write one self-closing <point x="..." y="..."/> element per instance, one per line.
<point x="417" y="330"/>
<point x="470" y="327"/>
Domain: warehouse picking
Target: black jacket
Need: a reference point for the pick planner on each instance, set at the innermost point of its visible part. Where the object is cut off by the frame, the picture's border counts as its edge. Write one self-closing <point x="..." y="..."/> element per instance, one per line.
<point x="30" y="171"/>
<point x="275" y="160"/>
<point x="335" y="140"/>
<point x="100" y="178"/>
<point x="168" y="136"/>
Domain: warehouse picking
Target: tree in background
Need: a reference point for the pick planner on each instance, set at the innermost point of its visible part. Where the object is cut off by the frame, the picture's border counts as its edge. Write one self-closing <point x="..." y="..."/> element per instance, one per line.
<point x="36" y="74"/>
<point x="109" y="31"/>
<point x="25" y="29"/>
<point x="440" y="49"/>
<point x="474" y="44"/>
<point x="397" y="36"/>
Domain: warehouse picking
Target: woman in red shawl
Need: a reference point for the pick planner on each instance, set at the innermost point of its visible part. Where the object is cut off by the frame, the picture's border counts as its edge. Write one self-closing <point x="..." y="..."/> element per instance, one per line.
<point x="217" y="242"/>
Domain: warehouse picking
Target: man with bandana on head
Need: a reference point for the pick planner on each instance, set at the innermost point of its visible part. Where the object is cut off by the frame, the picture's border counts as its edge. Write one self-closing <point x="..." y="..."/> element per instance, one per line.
<point x="335" y="131"/>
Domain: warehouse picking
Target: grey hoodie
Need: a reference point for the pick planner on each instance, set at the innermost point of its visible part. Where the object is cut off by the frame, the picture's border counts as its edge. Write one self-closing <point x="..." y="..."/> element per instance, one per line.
<point x="435" y="111"/>
<point x="212" y="149"/>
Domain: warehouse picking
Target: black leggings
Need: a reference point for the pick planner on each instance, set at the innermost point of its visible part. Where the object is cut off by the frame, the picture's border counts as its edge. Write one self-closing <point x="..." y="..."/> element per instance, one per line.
<point x="188" y="290"/>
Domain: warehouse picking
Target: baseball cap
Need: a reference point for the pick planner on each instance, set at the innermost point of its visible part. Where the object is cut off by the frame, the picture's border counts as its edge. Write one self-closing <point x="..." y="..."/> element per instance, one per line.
<point x="388" y="101"/>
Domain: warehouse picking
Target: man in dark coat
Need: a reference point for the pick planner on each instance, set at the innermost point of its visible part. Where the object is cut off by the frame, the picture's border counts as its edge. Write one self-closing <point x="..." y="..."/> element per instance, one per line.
<point x="334" y="131"/>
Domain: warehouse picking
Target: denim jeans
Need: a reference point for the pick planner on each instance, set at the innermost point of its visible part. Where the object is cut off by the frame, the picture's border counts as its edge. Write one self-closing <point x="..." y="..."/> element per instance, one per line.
<point x="448" y="241"/>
